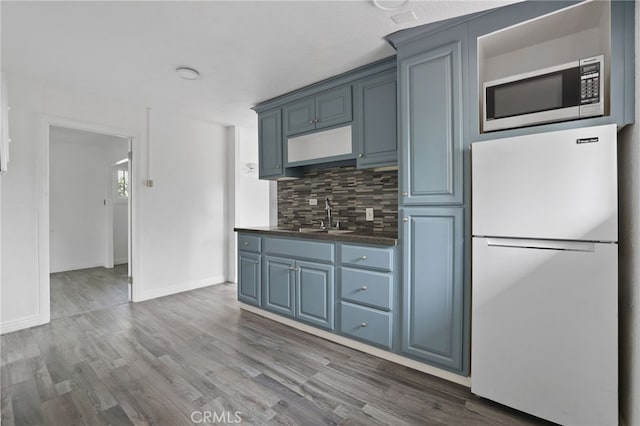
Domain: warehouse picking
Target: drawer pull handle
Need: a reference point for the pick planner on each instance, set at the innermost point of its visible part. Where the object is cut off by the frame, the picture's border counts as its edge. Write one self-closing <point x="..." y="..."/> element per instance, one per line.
<point x="364" y="324"/>
<point x="363" y="258"/>
<point x="293" y="268"/>
<point x="363" y="288"/>
<point x="246" y="243"/>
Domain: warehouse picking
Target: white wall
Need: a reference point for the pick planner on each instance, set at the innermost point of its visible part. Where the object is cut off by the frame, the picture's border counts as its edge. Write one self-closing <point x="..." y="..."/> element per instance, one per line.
<point x="629" y="250"/>
<point x="19" y="290"/>
<point x="178" y="234"/>
<point x="77" y="210"/>
<point x="184" y="234"/>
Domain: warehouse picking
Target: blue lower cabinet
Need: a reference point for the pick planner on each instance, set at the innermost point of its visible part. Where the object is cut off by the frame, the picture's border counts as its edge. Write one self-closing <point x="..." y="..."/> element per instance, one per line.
<point x="249" y="278"/>
<point x="279" y="285"/>
<point x="315" y="293"/>
<point x="433" y="286"/>
<point x="366" y="324"/>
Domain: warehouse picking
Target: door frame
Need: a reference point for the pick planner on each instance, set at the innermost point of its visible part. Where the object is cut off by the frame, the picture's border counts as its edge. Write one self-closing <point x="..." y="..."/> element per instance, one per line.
<point x="43" y="177"/>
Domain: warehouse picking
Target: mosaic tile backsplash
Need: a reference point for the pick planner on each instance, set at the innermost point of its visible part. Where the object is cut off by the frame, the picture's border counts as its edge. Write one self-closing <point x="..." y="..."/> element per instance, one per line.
<point x="350" y="192"/>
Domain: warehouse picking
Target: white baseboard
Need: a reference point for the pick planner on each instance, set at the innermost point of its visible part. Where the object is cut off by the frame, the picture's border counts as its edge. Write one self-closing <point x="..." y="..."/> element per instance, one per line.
<point x="74" y="267"/>
<point x="371" y="350"/>
<point x="178" y="288"/>
<point x="21" y="324"/>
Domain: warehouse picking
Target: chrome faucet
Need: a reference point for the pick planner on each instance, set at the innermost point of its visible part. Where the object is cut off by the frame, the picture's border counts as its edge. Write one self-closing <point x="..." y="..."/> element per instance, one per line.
<point x="327" y="207"/>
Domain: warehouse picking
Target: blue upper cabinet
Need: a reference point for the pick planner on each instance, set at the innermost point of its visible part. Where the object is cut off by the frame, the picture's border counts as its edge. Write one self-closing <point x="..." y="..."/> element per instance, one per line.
<point x="300" y="116"/>
<point x="376" y="128"/>
<point x="326" y="109"/>
<point x="432" y="127"/>
<point x="270" y="136"/>
<point x="329" y="105"/>
<point x="334" y="107"/>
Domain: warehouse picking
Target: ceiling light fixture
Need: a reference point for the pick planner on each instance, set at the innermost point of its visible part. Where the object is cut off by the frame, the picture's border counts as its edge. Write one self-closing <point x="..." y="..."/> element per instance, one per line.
<point x="391" y="4"/>
<point x="188" y="73"/>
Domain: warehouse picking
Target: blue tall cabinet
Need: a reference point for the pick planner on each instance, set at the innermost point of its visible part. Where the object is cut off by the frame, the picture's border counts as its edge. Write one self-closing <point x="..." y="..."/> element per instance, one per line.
<point x="433" y="198"/>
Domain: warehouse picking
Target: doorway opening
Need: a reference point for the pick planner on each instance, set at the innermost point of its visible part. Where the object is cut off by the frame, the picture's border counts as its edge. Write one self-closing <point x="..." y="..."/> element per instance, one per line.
<point x="90" y="201"/>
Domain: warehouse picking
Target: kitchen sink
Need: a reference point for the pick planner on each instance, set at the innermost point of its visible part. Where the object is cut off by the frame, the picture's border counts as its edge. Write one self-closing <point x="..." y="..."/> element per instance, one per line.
<point x="323" y="231"/>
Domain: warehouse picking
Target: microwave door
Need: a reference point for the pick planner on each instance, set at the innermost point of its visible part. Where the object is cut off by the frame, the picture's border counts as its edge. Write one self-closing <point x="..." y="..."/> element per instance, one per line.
<point x="542" y="98"/>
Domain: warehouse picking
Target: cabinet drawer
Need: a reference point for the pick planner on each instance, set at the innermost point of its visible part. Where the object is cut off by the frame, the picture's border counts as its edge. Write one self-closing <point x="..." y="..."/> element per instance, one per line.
<point x="367" y="287"/>
<point x="300" y="249"/>
<point x="248" y="243"/>
<point x="367" y="257"/>
<point x="366" y="324"/>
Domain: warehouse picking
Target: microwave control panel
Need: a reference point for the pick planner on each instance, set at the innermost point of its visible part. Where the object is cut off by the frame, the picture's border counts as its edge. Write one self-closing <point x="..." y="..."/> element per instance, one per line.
<point x="590" y="84"/>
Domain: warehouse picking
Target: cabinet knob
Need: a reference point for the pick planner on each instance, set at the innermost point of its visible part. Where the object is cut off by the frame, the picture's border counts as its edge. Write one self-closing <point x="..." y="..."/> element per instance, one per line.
<point x="359" y="155"/>
<point x="246" y="243"/>
<point x="363" y="258"/>
<point x="277" y="166"/>
<point x="405" y="193"/>
<point x="404" y="219"/>
<point x="312" y="121"/>
<point x="363" y="288"/>
<point x="293" y="268"/>
<point x="364" y="324"/>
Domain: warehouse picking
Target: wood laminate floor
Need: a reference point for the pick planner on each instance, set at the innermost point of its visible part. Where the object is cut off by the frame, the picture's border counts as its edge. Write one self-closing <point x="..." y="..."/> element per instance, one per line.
<point x="84" y="290"/>
<point x="157" y="362"/>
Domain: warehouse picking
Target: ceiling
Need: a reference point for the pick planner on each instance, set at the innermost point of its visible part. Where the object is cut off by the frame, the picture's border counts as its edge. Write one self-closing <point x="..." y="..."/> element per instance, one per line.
<point x="66" y="135"/>
<point x="246" y="51"/>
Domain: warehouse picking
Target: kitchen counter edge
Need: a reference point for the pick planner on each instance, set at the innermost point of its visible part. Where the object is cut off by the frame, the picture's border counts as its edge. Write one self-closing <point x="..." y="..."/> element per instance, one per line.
<point x="351" y="237"/>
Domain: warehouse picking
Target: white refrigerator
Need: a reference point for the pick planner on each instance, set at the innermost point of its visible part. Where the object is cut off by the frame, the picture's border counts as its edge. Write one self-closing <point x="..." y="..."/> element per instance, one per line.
<point x="544" y="331"/>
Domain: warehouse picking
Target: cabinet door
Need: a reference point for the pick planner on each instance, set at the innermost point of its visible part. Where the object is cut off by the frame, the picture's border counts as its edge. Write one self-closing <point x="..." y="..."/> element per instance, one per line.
<point x="314" y="293"/>
<point x="299" y="117"/>
<point x="249" y="278"/>
<point x="433" y="293"/>
<point x="279" y="288"/>
<point x="270" y="143"/>
<point x="431" y="118"/>
<point x="334" y="107"/>
<point x="376" y="130"/>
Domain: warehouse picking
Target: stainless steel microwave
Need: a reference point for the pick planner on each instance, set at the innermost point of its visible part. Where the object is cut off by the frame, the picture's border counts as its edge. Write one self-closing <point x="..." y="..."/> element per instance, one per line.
<point x="560" y="93"/>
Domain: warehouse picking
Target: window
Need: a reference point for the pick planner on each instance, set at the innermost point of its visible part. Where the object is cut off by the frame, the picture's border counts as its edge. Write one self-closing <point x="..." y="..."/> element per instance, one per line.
<point x="122" y="183"/>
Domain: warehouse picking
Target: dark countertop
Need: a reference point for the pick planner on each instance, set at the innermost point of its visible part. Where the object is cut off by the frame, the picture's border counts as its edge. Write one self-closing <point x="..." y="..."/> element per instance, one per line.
<point x="375" y="238"/>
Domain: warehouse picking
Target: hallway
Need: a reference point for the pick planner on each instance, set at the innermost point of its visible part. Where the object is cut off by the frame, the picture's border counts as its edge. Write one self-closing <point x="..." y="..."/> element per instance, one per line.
<point x="74" y="292"/>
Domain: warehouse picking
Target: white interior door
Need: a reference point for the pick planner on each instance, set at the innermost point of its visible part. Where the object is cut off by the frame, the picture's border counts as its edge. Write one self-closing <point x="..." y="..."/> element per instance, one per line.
<point x="130" y="222"/>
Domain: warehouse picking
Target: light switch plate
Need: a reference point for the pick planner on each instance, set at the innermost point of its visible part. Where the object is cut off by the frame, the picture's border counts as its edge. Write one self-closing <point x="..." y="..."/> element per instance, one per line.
<point x="369" y="214"/>
<point x="313" y="201"/>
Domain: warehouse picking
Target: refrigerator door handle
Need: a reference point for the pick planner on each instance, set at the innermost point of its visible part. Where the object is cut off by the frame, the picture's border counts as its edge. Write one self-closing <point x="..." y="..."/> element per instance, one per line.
<point x="542" y="244"/>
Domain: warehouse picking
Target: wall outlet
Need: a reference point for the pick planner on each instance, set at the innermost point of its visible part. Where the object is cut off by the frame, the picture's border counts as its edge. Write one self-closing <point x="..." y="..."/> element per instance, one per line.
<point x="369" y="214"/>
<point x="313" y="201"/>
